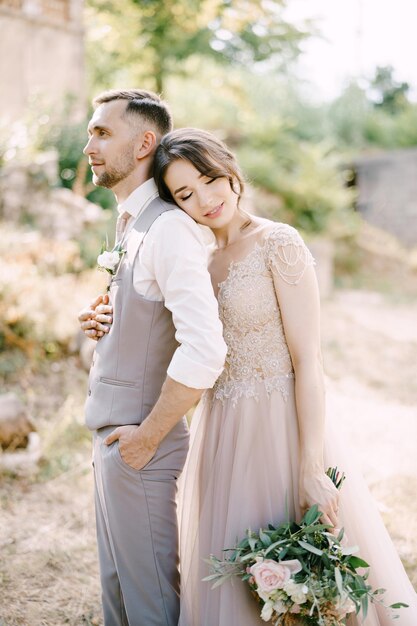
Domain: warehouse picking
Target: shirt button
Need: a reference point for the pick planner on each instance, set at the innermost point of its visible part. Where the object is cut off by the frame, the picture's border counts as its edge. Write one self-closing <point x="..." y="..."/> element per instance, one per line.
<point x="89" y="392"/>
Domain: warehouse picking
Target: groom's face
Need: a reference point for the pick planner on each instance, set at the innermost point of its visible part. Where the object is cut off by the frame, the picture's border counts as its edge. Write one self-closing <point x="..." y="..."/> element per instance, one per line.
<point x="112" y="140"/>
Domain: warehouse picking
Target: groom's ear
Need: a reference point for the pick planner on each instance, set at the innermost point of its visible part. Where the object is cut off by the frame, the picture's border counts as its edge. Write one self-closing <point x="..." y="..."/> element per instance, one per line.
<point x="146" y="145"/>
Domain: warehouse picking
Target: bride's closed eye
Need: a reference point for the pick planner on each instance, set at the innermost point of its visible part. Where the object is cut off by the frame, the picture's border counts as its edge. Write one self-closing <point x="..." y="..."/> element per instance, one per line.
<point x="208" y="182"/>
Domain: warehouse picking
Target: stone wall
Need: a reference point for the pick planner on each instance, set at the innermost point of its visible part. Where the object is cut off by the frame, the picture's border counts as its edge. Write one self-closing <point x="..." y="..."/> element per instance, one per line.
<point x="29" y="197"/>
<point x="41" y="53"/>
<point x="387" y="186"/>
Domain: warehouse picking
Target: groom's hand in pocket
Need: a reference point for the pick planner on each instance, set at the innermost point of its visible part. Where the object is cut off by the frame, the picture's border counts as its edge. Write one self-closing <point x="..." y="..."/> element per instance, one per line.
<point x="134" y="449"/>
<point x="95" y="320"/>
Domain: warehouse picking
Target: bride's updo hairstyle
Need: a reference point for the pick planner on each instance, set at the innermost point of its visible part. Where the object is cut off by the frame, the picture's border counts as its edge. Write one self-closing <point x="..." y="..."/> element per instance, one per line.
<point x="210" y="156"/>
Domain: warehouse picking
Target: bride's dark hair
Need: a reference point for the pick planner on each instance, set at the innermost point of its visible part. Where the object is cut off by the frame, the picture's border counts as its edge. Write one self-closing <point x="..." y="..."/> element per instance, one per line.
<point x="210" y="156"/>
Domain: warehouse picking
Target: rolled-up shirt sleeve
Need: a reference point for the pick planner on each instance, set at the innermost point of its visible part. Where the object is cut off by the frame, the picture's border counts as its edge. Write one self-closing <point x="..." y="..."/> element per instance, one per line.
<point x="179" y="262"/>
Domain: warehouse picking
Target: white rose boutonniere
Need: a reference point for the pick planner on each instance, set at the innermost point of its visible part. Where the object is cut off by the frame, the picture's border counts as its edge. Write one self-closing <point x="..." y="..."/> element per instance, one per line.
<point x="109" y="260"/>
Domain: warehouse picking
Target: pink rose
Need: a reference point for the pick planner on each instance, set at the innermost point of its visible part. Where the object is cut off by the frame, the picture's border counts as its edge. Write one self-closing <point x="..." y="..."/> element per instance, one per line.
<point x="270" y="575"/>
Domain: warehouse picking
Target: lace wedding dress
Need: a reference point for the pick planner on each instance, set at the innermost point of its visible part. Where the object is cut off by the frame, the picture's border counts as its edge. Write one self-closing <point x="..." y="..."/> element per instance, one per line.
<point x="242" y="469"/>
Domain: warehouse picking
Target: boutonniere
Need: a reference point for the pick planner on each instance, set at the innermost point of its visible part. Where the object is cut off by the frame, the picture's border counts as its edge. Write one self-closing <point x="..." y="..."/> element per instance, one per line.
<point x="109" y="260"/>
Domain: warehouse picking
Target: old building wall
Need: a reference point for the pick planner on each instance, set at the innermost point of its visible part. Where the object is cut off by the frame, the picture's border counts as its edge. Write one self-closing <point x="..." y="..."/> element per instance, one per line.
<point x="41" y="54"/>
<point x="387" y="187"/>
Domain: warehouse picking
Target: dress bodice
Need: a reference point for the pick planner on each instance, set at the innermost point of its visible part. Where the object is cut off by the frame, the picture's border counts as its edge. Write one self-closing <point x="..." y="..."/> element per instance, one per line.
<point x="250" y="313"/>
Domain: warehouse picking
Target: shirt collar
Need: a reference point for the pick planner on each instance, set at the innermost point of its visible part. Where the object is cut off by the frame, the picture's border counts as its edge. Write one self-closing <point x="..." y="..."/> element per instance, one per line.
<point x="139" y="199"/>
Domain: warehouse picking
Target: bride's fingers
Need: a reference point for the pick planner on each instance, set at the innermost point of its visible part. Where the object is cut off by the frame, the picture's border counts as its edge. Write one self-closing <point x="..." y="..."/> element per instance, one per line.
<point x="329" y="517"/>
<point x="335" y="521"/>
<point x="333" y="517"/>
<point x="336" y="503"/>
<point x="325" y="519"/>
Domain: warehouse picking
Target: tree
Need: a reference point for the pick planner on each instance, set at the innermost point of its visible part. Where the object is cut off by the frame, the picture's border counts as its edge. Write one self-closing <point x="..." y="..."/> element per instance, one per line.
<point x="387" y="93"/>
<point x="152" y="38"/>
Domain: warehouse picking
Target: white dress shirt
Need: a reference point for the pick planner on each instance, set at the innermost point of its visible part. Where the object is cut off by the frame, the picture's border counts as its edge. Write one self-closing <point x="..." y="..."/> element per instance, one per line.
<point x="172" y="266"/>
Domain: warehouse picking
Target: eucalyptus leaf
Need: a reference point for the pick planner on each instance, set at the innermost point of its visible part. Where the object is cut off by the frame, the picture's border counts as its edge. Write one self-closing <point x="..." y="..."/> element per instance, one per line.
<point x="379" y="591"/>
<point x="355" y="562"/>
<point x="311" y="515"/>
<point x="283" y="553"/>
<point x="266" y="539"/>
<point x="339" y="580"/>
<point x="360" y="582"/>
<point x="218" y="582"/>
<point x="350" y="550"/>
<point x="314" y="529"/>
<point x="211" y="577"/>
<point x="274" y="545"/>
<point x="310" y="548"/>
<point x="364" y="606"/>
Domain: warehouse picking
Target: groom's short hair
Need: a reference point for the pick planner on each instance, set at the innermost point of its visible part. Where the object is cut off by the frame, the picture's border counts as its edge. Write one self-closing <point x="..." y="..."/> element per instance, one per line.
<point x="146" y="105"/>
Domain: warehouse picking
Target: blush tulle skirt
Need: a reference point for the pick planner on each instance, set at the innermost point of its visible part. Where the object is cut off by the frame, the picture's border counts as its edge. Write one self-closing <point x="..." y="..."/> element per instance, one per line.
<point x="242" y="472"/>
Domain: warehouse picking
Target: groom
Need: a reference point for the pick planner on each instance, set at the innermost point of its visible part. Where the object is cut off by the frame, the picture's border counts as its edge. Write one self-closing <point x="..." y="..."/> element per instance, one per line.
<point x="163" y="347"/>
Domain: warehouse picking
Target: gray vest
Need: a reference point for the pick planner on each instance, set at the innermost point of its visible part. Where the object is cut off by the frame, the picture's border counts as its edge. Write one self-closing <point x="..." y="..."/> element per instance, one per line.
<point x="130" y="362"/>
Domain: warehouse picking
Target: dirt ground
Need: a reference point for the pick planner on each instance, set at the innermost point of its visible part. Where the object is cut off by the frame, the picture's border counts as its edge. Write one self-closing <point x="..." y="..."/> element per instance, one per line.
<point x="48" y="566"/>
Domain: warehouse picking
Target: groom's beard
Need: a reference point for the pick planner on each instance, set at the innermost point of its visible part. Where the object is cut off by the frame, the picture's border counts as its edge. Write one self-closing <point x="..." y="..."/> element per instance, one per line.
<point x="114" y="174"/>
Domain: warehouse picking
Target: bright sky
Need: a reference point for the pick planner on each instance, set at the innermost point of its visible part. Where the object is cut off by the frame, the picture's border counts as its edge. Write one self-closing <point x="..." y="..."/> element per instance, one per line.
<point x="358" y="35"/>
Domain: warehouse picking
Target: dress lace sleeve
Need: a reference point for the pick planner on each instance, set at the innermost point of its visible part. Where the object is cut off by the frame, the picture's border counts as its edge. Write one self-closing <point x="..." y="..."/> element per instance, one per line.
<point x="286" y="254"/>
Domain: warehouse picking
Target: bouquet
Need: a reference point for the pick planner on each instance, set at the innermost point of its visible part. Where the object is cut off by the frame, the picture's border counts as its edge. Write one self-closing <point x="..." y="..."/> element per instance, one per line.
<point x="301" y="571"/>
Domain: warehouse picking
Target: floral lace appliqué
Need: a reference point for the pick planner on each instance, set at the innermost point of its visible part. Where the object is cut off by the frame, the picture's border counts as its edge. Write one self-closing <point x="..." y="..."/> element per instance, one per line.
<point x="252" y="325"/>
<point x="287" y="254"/>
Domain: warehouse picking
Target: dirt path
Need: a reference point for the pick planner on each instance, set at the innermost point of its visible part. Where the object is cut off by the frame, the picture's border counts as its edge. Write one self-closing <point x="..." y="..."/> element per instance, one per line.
<point x="48" y="567"/>
<point x="370" y="353"/>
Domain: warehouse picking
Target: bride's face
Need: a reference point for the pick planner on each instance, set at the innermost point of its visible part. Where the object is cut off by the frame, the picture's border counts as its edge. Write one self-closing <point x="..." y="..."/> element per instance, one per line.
<point x="209" y="201"/>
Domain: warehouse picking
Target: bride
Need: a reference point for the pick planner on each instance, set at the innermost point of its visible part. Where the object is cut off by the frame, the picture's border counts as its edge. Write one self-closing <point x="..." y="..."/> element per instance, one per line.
<point x="258" y="450"/>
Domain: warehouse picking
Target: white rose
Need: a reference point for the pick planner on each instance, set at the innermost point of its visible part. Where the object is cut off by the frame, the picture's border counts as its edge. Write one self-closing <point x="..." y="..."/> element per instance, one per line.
<point x="279" y="606"/>
<point x="108" y="260"/>
<point x="290" y="587"/>
<point x="299" y="597"/>
<point x="263" y="596"/>
<point x="296" y="591"/>
<point x="344" y="605"/>
<point x="267" y="610"/>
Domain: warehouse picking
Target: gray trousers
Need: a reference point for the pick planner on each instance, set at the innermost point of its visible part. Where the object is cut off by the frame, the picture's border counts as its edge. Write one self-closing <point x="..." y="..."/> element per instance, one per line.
<point x="137" y="531"/>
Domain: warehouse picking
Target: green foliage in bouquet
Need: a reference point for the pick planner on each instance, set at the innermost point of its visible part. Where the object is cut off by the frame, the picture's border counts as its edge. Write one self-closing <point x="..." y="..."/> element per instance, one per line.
<point x="301" y="571"/>
<point x="335" y="476"/>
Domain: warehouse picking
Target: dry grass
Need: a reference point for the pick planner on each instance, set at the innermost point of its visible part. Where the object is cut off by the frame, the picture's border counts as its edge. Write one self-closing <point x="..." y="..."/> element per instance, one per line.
<point x="370" y="352"/>
<point x="400" y="515"/>
<point x="48" y="570"/>
<point x="48" y="567"/>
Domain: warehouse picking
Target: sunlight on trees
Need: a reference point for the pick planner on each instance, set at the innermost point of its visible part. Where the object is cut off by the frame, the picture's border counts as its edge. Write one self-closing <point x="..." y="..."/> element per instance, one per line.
<point x="151" y="39"/>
